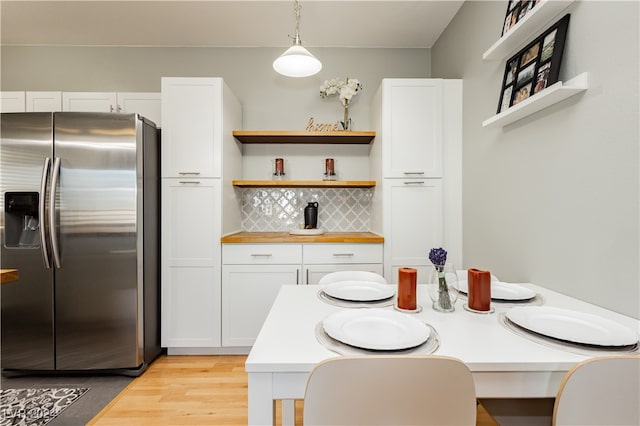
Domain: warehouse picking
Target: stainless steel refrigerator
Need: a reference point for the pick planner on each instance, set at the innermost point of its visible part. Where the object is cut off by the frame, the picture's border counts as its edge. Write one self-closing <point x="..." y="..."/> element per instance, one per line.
<point x="80" y="221"/>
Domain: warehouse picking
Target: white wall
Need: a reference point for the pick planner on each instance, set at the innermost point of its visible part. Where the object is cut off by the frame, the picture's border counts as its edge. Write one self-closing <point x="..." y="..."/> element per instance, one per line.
<point x="553" y="198"/>
<point x="269" y="101"/>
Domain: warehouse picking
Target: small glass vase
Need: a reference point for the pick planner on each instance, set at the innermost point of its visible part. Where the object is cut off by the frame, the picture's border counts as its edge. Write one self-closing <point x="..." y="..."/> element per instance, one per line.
<point x="346" y="123"/>
<point x="443" y="287"/>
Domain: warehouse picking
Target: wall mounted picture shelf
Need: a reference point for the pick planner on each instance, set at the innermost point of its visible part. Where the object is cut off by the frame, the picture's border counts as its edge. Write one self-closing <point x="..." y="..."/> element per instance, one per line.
<point x="304" y="183"/>
<point x="526" y="29"/>
<point x="303" y="137"/>
<point x="541" y="100"/>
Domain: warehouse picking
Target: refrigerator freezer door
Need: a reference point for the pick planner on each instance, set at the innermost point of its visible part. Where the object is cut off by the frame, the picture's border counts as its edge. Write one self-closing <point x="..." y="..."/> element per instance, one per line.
<point x="27" y="304"/>
<point x="98" y="285"/>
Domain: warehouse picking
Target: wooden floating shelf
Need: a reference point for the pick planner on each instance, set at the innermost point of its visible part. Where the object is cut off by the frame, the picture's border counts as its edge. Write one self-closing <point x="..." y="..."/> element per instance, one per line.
<point x="304" y="183"/>
<point x="545" y="98"/>
<point x="532" y="23"/>
<point x="303" y="137"/>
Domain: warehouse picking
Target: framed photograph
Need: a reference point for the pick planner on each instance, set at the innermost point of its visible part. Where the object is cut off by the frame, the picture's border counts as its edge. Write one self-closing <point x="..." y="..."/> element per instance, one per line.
<point x="530" y="55"/>
<point x="522" y="93"/>
<point x="547" y="45"/>
<point x="542" y="78"/>
<point x="526" y="74"/>
<point x="511" y="74"/>
<point x="535" y="67"/>
<point x="506" y="98"/>
<point x="516" y="10"/>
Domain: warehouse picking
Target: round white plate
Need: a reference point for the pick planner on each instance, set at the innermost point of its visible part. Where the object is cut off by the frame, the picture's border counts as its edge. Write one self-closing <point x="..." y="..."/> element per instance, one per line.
<point x="503" y="291"/>
<point x="360" y="291"/>
<point x="572" y="326"/>
<point x="376" y="329"/>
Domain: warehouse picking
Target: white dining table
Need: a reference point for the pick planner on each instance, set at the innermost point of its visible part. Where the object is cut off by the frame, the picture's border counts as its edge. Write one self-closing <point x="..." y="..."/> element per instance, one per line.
<point x="503" y="363"/>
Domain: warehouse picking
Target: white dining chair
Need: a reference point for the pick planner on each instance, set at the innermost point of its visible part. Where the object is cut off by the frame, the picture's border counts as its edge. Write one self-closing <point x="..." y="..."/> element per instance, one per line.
<point x="390" y="390"/>
<point x="600" y="391"/>
<point x="333" y="277"/>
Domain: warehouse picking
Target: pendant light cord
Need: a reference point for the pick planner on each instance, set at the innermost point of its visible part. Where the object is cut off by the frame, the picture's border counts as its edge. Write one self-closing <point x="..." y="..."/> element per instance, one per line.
<point x="296" y="8"/>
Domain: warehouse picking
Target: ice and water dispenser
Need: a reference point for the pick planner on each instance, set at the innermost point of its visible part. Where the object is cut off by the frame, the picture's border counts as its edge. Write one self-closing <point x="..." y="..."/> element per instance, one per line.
<point x="21" y="220"/>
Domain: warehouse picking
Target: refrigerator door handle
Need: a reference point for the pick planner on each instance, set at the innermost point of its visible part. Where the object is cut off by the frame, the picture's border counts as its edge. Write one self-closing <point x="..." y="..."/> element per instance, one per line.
<point x="52" y="213"/>
<point x="41" y="212"/>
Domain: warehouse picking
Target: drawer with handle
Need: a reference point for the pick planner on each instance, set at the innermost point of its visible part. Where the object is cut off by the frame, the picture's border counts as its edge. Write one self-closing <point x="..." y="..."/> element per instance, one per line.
<point x="342" y="253"/>
<point x="261" y="254"/>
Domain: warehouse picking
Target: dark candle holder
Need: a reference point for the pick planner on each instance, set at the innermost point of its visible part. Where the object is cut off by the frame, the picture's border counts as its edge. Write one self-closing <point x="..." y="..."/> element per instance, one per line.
<point x="329" y="169"/>
<point x="279" y="168"/>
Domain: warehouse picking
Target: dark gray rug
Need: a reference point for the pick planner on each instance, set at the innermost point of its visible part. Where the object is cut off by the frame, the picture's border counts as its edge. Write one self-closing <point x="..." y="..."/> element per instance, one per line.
<point x="35" y="407"/>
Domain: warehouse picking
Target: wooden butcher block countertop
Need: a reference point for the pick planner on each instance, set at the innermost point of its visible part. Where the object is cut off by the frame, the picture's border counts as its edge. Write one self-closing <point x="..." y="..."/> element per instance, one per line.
<point x="285" y="237"/>
<point x="8" y="275"/>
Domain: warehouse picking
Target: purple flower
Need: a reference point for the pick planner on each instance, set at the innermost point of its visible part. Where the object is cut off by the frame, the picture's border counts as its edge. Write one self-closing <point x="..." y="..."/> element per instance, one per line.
<point x="438" y="256"/>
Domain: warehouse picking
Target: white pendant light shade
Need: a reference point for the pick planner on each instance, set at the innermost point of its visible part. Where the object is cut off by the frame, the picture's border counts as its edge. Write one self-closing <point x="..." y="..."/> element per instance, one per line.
<point x="296" y="61"/>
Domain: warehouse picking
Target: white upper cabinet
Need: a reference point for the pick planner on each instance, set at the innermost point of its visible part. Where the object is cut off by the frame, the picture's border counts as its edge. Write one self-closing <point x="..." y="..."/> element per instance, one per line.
<point x="412" y="128"/>
<point x="191" y="134"/>
<point x="12" y="102"/>
<point x="43" y="101"/>
<point x="89" y="102"/>
<point x="145" y="104"/>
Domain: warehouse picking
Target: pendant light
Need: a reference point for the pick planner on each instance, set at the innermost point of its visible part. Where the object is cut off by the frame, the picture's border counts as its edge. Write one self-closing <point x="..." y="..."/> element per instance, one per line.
<point x="296" y="61"/>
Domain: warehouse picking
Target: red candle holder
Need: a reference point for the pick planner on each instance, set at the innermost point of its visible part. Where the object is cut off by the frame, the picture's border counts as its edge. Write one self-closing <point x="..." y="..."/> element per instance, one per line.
<point x="279" y="169"/>
<point x="329" y="169"/>
<point x="479" y="283"/>
<point x="407" y="279"/>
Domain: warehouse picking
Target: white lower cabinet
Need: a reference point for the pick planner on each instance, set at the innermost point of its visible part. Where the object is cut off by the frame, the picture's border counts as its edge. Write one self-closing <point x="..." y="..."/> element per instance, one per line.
<point x="190" y="307"/>
<point x="248" y="291"/>
<point x="415" y="224"/>
<point x="190" y="284"/>
<point x="252" y="275"/>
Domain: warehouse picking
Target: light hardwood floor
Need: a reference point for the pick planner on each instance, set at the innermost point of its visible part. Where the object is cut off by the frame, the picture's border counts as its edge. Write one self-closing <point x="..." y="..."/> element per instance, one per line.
<point x="194" y="390"/>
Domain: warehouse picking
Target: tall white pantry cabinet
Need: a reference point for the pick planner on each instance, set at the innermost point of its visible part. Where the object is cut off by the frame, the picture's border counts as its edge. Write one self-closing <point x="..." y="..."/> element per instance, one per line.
<point x="417" y="161"/>
<point x="199" y="154"/>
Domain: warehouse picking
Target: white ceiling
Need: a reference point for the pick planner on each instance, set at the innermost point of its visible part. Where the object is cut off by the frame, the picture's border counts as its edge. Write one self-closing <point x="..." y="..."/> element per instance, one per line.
<point x="237" y="23"/>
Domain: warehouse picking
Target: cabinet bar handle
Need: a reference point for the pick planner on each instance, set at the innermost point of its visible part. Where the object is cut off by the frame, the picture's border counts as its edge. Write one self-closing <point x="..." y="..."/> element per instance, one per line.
<point x="297" y="276"/>
<point x="261" y="254"/>
<point x="413" y="173"/>
<point x="189" y="182"/>
<point x="343" y="254"/>
<point x="188" y="173"/>
<point x="307" y="276"/>
<point x="414" y="183"/>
